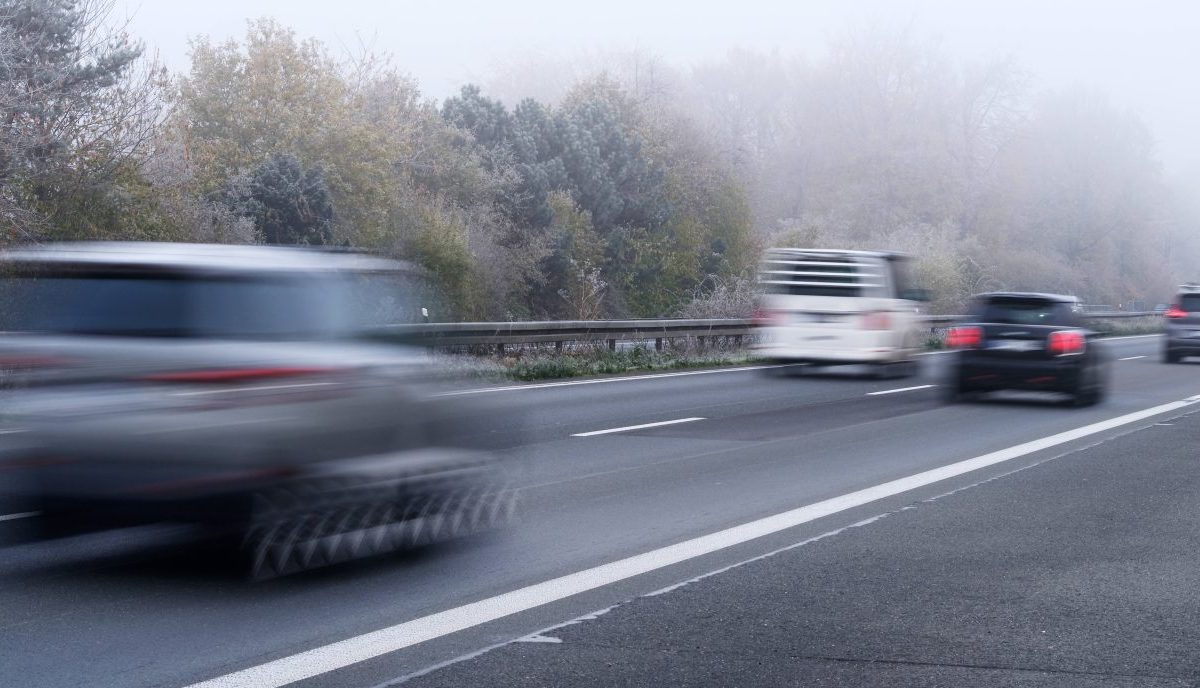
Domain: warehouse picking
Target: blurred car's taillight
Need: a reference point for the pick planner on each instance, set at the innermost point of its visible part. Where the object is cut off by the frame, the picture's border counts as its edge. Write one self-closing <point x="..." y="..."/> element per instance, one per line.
<point x="234" y="374"/>
<point x="968" y="337"/>
<point x="1066" y="342"/>
<point x="765" y="318"/>
<point x="33" y="362"/>
<point x="876" y="321"/>
<point x="1175" y="312"/>
<point x="209" y="389"/>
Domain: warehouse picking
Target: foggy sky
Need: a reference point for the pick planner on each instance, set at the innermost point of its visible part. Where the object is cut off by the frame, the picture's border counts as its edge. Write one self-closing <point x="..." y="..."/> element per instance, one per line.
<point x="1144" y="55"/>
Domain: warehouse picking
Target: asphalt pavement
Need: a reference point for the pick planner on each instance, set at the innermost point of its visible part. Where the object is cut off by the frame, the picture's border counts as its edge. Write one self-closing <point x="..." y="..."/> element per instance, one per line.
<point x="1070" y="571"/>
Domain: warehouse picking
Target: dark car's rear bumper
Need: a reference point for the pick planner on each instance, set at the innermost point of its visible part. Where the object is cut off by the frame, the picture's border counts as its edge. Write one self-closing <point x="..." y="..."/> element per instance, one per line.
<point x="1183" y="343"/>
<point x="979" y="372"/>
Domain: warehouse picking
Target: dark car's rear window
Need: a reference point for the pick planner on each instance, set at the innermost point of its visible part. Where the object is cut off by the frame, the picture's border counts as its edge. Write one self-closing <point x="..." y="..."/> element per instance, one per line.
<point x="1025" y="311"/>
<point x="1190" y="302"/>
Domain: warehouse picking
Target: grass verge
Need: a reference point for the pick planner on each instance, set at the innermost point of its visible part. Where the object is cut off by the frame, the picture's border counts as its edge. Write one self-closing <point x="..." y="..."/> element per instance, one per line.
<point x="528" y="367"/>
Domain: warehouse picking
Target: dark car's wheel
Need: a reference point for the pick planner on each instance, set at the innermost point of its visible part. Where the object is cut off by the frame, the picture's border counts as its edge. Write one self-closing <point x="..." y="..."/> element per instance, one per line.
<point x="1171" y="356"/>
<point x="1089" y="392"/>
<point x="1083" y="398"/>
<point x="956" y="393"/>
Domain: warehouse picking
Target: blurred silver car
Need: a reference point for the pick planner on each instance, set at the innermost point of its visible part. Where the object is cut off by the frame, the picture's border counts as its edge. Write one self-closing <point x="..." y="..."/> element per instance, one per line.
<point x="238" y="388"/>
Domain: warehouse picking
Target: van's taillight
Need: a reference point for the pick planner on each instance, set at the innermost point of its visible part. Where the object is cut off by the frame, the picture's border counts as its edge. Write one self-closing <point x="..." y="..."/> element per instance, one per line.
<point x="1175" y="312"/>
<point x="1066" y="342"/>
<point x="876" y="321"/>
<point x="220" y="375"/>
<point x="964" y="337"/>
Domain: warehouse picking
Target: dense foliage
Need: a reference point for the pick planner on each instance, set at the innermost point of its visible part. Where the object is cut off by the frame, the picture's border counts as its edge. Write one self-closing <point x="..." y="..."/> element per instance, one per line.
<point x="644" y="191"/>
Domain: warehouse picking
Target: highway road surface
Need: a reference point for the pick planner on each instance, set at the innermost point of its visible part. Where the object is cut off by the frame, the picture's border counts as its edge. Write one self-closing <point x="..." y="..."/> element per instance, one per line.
<point x="729" y="527"/>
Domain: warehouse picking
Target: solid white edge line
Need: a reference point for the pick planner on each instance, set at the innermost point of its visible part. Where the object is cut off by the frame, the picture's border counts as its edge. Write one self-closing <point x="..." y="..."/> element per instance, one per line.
<point x="344" y="653"/>
<point x="23" y="514"/>
<point x="1130" y="358"/>
<point x="897" y="391"/>
<point x="635" y="427"/>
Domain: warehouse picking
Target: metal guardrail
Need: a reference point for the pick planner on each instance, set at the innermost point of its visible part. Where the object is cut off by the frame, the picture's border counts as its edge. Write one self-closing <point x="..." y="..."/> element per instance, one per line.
<point x="501" y="334"/>
<point x="560" y="331"/>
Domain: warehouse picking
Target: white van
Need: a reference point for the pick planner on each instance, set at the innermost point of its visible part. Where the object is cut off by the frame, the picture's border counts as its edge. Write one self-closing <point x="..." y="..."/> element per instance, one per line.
<point x="831" y="307"/>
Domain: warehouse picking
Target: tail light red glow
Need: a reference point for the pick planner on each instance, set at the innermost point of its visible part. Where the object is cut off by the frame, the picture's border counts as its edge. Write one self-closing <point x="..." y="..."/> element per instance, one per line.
<point x="969" y="337"/>
<point x="764" y="318"/>
<point x="19" y="362"/>
<point x="1175" y="312"/>
<point x="1066" y="342"/>
<point x="235" y="374"/>
<point x="876" y="321"/>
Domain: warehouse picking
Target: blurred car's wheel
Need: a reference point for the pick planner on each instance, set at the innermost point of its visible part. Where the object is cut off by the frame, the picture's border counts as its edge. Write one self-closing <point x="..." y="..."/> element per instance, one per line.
<point x="1171" y="356"/>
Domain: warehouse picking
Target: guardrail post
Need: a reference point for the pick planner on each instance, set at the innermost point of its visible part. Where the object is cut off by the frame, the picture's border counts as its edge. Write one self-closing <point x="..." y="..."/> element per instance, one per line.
<point x="500" y="349"/>
<point x="558" y="346"/>
<point x="658" y="344"/>
<point x="612" y="345"/>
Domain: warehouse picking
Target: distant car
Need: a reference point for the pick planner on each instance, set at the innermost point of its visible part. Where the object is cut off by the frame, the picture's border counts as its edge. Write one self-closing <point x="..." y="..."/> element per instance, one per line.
<point x="235" y="388"/>
<point x="834" y="307"/>
<point x="1161" y="308"/>
<point x="1182" y="331"/>
<point x="1026" y="341"/>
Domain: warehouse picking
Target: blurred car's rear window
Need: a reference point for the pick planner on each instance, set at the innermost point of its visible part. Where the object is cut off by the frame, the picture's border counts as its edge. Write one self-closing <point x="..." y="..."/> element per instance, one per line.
<point x="160" y="305"/>
<point x="1190" y="302"/>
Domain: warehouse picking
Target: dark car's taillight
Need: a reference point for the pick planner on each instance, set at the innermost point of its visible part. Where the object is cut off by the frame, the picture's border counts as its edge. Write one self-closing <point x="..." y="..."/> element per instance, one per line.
<point x="967" y="337"/>
<point x="1175" y="312"/>
<point x="1066" y="342"/>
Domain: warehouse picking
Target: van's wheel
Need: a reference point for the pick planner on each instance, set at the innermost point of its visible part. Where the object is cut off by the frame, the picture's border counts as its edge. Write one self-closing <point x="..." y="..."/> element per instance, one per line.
<point x="778" y="368"/>
<point x="895" y="370"/>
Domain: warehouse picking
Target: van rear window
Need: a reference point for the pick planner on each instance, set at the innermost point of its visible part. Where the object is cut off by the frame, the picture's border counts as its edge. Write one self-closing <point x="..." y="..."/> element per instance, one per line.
<point x="810" y="290"/>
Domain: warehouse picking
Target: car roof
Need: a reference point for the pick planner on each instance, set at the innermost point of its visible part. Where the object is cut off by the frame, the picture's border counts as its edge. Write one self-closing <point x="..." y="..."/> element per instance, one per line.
<point x="202" y="257"/>
<point x="1060" y="298"/>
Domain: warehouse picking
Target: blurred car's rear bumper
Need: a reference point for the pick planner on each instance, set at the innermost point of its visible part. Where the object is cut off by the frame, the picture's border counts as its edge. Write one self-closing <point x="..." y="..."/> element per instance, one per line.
<point x="101" y="494"/>
<point x="1183" y="343"/>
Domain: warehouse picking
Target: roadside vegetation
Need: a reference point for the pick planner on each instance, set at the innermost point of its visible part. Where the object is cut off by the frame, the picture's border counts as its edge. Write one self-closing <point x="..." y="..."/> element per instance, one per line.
<point x="590" y="361"/>
<point x="628" y="187"/>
